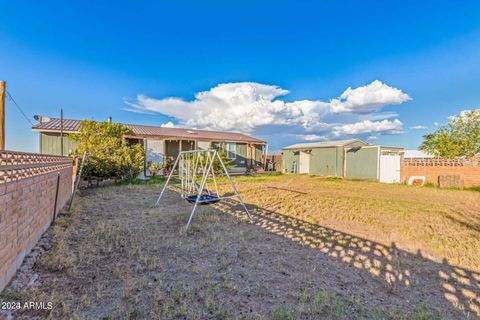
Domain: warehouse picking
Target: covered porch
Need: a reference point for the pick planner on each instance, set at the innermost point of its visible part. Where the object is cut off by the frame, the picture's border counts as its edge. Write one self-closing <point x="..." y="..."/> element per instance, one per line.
<point x="244" y="157"/>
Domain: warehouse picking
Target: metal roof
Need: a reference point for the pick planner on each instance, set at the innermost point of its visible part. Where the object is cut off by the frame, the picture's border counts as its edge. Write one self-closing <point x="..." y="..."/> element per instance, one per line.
<point x="324" y="144"/>
<point x="53" y="125"/>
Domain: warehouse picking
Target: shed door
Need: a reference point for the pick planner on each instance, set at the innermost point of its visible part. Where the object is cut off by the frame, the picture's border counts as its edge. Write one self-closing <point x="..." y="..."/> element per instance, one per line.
<point x="304" y="163"/>
<point x="390" y="168"/>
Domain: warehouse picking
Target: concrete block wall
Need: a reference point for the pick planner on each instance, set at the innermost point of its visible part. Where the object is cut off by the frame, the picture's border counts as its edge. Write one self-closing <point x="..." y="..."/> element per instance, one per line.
<point x="432" y="169"/>
<point x="26" y="212"/>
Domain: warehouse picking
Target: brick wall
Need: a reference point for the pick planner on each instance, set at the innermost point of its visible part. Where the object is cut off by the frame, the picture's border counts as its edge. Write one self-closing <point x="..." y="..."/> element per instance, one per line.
<point x="467" y="170"/>
<point x="28" y="184"/>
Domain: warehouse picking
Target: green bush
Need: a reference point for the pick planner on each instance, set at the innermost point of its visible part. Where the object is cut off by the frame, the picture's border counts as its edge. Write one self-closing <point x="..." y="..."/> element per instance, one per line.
<point x="154" y="167"/>
<point x="109" y="156"/>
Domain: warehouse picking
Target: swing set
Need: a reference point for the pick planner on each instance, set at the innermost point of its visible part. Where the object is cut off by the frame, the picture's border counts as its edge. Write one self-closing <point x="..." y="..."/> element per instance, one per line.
<point x="197" y="175"/>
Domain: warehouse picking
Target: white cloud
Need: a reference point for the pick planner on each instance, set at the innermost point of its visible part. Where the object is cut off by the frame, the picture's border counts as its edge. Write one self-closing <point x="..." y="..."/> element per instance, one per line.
<point x="372" y="138"/>
<point x="312" y="137"/>
<point x="253" y="107"/>
<point x="419" y="127"/>
<point x="436" y="124"/>
<point x="168" y="124"/>
<point x="369" y="98"/>
<point x="367" y="126"/>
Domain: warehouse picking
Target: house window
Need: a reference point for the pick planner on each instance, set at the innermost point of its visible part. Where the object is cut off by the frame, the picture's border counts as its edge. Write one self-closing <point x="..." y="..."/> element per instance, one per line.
<point x="217" y="146"/>
<point x="230" y="149"/>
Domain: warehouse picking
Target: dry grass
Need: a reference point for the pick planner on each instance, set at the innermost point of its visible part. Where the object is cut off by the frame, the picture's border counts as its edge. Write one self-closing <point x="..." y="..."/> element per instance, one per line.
<point x="442" y="224"/>
<point x="318" y="248"/>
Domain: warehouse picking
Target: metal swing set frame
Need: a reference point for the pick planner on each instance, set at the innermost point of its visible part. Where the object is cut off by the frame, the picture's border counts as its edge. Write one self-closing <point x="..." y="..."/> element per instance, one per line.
<point x="196" y="165"/>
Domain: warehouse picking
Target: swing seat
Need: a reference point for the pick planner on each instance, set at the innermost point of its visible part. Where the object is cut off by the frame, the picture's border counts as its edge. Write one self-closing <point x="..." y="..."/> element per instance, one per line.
<point x="204" y="199"/>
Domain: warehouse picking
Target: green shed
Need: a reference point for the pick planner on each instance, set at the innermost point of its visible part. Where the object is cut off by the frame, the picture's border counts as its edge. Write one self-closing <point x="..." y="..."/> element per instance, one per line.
<point x="353" y="159"/>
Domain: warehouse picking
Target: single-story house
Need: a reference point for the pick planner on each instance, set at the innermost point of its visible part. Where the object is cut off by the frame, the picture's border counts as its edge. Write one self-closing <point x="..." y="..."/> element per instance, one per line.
<point x="354" y="159"/>
<point x="246" y="152"/>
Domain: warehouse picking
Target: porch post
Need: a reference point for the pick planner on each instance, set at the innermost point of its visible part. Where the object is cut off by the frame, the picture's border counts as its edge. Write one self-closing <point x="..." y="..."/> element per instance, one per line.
<point x="145" y="146"/>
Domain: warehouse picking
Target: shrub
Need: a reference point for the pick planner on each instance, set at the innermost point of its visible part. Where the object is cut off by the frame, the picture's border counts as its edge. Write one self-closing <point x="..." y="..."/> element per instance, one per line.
<point x="154" y="167"/>
<point x="109" y="156"/>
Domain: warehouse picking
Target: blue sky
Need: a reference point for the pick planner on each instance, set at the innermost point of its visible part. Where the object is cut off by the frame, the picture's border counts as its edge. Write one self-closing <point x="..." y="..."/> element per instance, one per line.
<point x="96" y="60"/>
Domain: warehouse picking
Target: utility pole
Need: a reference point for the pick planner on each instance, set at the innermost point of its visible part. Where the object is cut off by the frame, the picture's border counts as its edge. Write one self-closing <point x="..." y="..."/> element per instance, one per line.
<point x="61" y="132"/>
<point x="2" y="114"/>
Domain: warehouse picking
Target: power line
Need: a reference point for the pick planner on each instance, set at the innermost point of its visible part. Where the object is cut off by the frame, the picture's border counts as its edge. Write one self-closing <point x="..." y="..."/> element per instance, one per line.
<point x="18" y="107"/>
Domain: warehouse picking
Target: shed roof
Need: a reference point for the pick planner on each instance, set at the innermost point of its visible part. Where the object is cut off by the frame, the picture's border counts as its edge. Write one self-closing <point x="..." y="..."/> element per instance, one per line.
<point x="141" y="131"/>
<point x="324" y="144"/>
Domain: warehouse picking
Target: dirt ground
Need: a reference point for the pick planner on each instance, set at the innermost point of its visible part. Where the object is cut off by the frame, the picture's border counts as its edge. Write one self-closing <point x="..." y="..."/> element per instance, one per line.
<point x="303" y="257"/>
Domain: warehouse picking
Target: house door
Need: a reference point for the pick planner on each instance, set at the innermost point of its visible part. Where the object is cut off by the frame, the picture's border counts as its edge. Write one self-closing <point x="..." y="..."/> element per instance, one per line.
<point x="304" y="166"/>
<point x="172" y="148"/>
<point x="389" y="168"/>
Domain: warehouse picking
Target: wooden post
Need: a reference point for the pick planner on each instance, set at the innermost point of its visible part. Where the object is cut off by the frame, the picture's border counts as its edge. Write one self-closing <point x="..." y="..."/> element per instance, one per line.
<point x="2" y="114"/>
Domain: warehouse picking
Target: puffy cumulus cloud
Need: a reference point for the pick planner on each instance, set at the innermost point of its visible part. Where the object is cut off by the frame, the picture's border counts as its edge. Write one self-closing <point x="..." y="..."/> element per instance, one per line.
<point x="419" y="127"/>
<point x="255" y="107"/>
<point x="241" y="106"/>
<point x="369" y="98"/>
<point x="367" y="126"/>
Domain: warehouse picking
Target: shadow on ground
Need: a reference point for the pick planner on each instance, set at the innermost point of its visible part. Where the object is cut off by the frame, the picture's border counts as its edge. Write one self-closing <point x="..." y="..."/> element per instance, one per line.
<point x="402" y="274"/>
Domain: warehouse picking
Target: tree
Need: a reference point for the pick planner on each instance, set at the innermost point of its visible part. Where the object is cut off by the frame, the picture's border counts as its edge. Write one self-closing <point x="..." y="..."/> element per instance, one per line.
<point x="459" y="138"/>
<point x="109" y="156"/>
